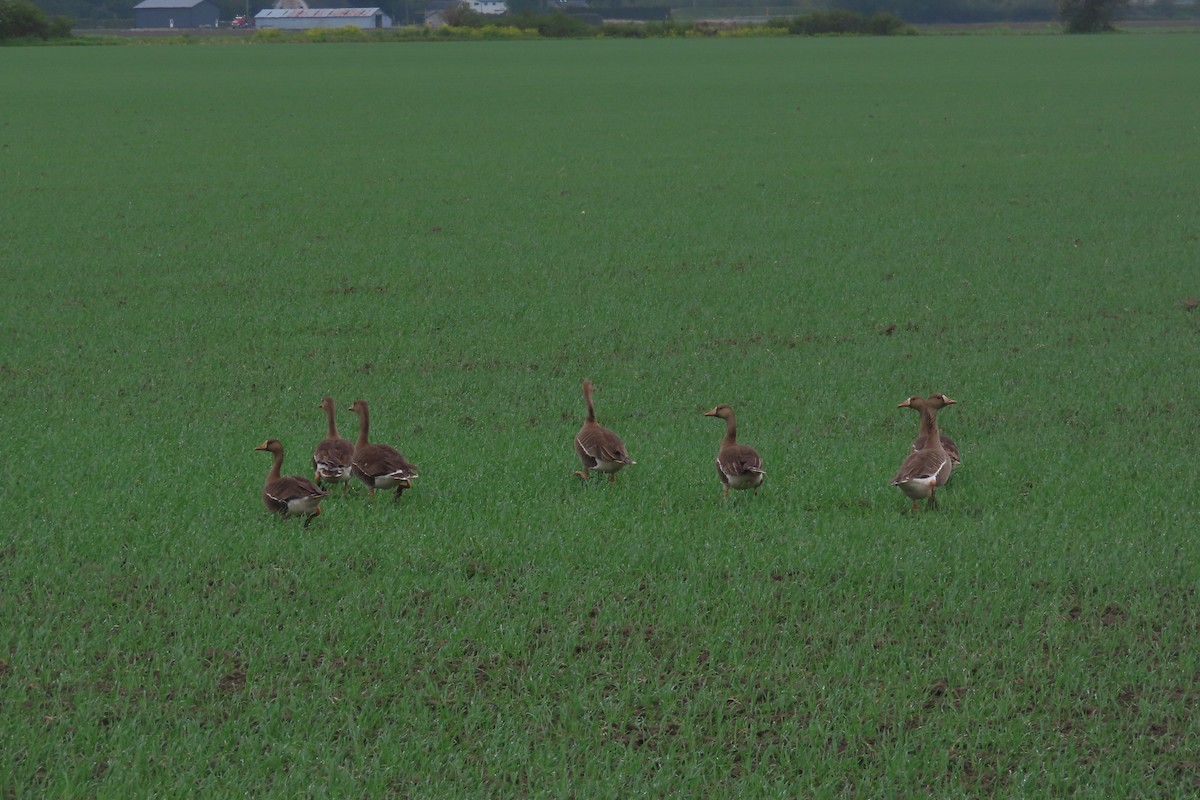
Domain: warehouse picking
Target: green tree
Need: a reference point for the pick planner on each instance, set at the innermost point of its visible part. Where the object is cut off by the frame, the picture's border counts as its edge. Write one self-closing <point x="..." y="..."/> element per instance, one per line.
<point x="21" y="19"/>
<point x="525" y="6"/>
<point x="461" y="15"/>
<point x="1090" y="16"/>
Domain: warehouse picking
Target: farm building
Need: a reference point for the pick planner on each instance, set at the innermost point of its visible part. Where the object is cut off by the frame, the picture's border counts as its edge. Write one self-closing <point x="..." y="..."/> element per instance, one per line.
<point x="435" y="12"/>
<point x="176" y="14"/>
<point x="304" y="18"/>
<point x="488" y="7"/>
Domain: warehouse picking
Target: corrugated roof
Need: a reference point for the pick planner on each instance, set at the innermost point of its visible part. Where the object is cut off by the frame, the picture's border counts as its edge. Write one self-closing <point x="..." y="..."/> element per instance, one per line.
<point x="313" y="13"/>
<point x="169" y="3"/>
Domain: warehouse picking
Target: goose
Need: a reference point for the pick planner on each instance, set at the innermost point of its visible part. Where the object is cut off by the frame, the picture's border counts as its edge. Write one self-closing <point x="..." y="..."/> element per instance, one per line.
<point x="331" y="460"/>
<point x="292" y="495"/>
<point x="739" y="466"/>
<point x="925" y="470"/>
<point x="378" y="465"/>
<point x="940" y="401"/>
<point x="599" y="448"/>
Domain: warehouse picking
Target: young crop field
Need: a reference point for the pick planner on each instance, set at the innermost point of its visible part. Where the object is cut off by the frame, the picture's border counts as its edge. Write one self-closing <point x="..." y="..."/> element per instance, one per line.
<point x="202" y="242"/>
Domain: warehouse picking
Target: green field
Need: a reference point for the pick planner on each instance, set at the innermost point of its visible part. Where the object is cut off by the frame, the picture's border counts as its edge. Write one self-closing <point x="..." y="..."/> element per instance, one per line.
<point x="201" y="242"/>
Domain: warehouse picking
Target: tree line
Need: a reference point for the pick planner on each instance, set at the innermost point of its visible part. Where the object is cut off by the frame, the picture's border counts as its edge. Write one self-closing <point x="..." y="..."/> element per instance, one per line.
<point x="1080" y="15"/>
<point x="21" y="19"/>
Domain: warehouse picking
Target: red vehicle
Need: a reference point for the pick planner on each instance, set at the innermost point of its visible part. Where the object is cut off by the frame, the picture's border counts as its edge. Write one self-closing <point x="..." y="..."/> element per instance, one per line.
<point x="242" y="21"/>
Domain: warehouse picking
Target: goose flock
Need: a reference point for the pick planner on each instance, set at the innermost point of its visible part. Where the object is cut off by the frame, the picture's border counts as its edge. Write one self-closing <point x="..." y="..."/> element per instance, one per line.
<point x="930" y="462"/>
<point x="335" y="460"/>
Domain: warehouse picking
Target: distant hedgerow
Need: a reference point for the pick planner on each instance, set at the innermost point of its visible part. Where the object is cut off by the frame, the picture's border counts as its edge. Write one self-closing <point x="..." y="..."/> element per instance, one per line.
<point x="490" y="32"/>
<point x="555" y="24"/>
<point x="623" y="30"/>
<point x="344" y="33"/>
<point x="646" y="30"/>
<point x="841" y="21"/>
<point x="523" y="25"/>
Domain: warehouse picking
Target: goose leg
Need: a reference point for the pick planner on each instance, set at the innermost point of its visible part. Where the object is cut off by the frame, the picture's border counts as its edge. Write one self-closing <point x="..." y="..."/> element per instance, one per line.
<point x="583" y="473"/>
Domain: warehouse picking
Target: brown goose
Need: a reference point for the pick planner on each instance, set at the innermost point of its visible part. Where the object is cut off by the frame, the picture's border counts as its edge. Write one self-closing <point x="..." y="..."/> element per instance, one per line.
<point x="598" y="447"/>
<point x="292" y="495"/>
<point x="925" y="470"/>
<point x="739" y="466"/>
<point x="940" y="401"/>
<point x="378" y="465"/>
<point x="331" y="460"/>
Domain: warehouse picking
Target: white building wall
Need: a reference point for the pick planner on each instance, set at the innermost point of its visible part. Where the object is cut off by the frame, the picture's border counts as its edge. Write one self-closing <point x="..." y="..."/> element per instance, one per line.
<point x="488" y="6"/>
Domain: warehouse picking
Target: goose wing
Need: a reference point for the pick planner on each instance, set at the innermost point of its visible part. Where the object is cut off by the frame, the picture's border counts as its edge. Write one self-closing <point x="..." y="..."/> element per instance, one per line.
<point x="922" y="465"/>
<point x="380" y="460"/>
<point x="333" y="457"/>
<point x="291" y="488"/>
<point x="600" y="444"/>
<point x="738" y="460"/>
<point x="947" y="444"/>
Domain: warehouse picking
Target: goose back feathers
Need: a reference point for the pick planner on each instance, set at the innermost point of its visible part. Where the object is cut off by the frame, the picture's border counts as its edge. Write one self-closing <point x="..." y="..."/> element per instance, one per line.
<point x="599" y="448"/>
